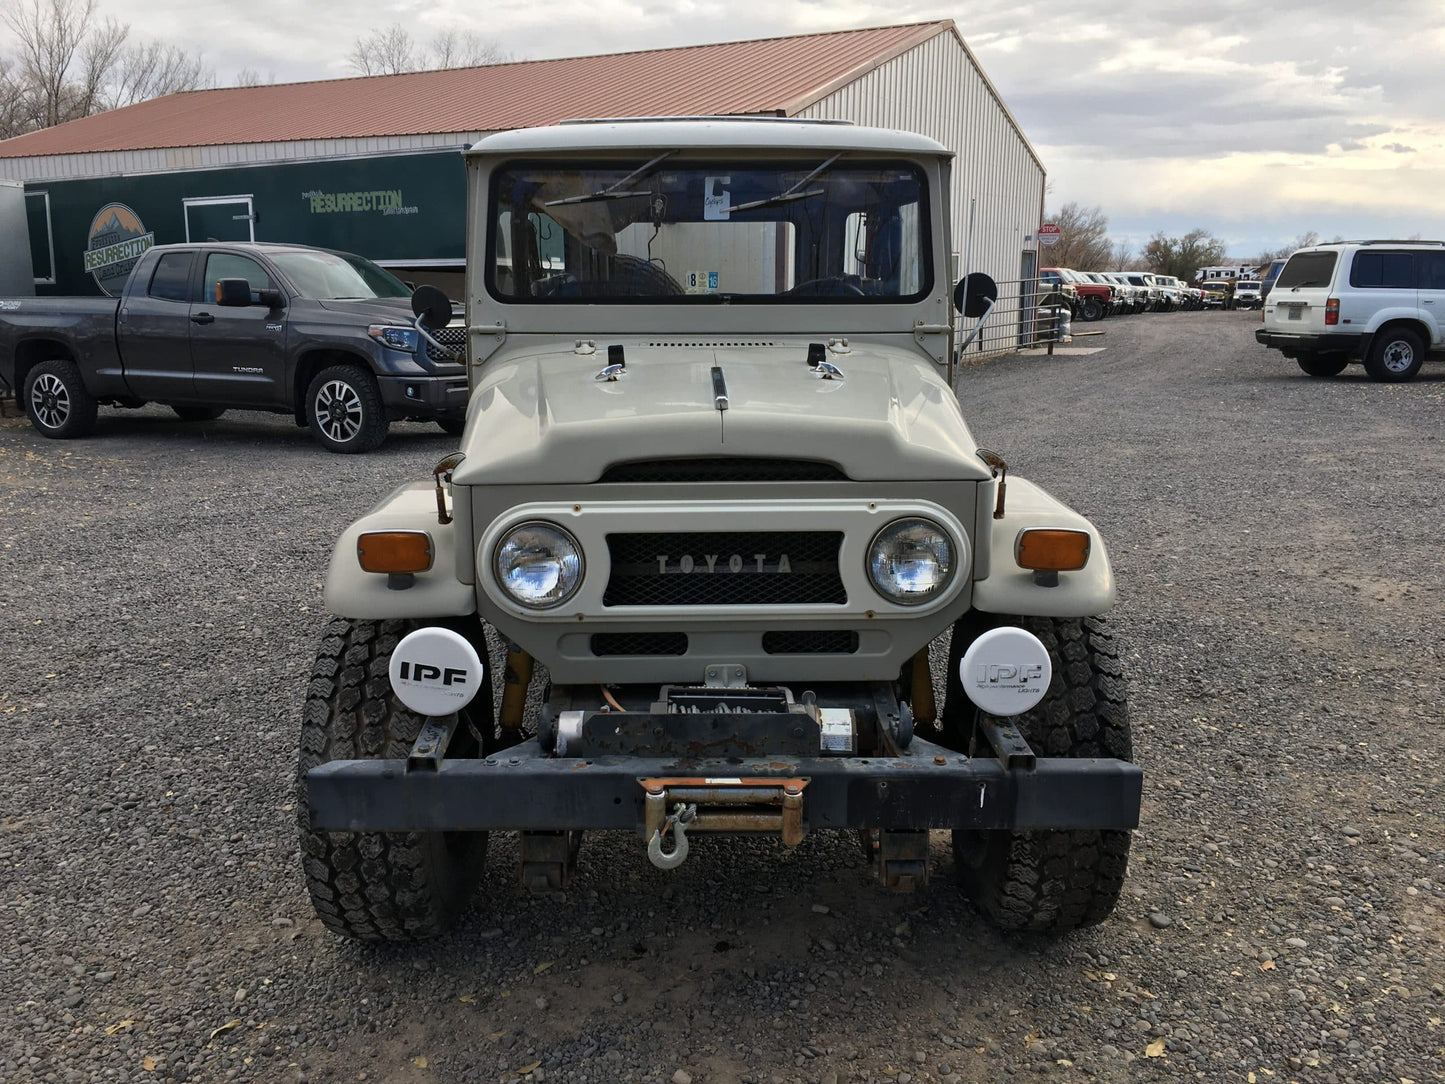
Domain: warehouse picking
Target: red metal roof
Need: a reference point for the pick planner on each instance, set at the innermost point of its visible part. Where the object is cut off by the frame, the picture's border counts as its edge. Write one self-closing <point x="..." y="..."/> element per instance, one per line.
<point x="772" y="75"/>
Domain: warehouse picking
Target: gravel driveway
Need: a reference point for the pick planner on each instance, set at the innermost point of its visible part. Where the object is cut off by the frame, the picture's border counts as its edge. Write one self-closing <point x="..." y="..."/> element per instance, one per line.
<point x="1278" y="545"/>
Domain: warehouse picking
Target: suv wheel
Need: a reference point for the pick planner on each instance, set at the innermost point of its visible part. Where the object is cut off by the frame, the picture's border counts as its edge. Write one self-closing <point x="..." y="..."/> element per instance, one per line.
<point x="57" y="402"/>
<point x="379" y="886"/>
<point x="344" y="409"/>
<point x="1323" y="364"/>
<point x="1054" y="879"/>
<point x="1395" y="355"/>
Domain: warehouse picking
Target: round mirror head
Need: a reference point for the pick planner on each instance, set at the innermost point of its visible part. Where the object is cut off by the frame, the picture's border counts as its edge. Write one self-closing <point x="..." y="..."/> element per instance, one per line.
<point x="974" y="294"/>
<point x="432" y="305"/>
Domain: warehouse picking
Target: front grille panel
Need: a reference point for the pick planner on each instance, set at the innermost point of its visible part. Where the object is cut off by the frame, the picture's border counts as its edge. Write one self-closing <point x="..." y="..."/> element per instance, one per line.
<point x="454" y="337"/>
<point x="610" y="644"/>
<point x="725" y="568"/>
<point x="811" y="642"/>
<point x="723" y="469"/>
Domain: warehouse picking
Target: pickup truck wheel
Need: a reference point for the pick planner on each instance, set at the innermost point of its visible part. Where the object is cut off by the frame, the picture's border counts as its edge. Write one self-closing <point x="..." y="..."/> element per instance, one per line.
<point x="1322" y="364"/>
<point x="189" y="413"/>
<point x="377" y="886"/>
<point x="1396" y="355"/>
<point x="57" y="402"/>
<point x="1093" y="309"/>
<point x="1052" y="880"/>
<point x="343" y="407"/>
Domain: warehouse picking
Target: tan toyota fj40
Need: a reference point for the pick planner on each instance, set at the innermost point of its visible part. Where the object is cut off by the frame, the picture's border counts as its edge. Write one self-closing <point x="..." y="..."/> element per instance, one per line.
<point x="715" y="479"/>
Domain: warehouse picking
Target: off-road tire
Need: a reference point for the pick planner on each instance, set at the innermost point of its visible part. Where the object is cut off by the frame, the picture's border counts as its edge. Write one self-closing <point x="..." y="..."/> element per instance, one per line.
<point x="1092" y="309"/>
<point x="344" y="410"/>
<point x="56" y="400"/>
<point x="376" y="886"/>
<point x="1050" y="880"/>
<point x="1395" y="356"/>
<point x="189" y="412"/>
<point x="1323" y="364"/>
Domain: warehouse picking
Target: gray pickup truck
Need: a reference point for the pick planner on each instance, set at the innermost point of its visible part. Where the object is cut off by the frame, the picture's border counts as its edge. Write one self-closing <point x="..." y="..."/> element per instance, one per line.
<point x="325" y="335"/>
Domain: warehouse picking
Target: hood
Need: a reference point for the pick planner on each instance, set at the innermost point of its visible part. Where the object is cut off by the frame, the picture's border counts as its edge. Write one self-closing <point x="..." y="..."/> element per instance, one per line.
<point x="379" y="310"/>
<point x="891" y="417"/>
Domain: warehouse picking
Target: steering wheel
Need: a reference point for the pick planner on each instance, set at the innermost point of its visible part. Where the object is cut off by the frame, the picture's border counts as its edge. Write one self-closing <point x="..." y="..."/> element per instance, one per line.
<point x="830" y="286"/>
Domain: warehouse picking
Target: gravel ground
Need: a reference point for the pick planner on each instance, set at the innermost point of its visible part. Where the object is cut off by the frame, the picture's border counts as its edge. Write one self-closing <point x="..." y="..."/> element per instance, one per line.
<point x="1277" y="542"/>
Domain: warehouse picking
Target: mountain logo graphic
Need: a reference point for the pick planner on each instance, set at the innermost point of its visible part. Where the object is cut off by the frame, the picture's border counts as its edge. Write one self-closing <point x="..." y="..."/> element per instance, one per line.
<point x="117" y="239"/>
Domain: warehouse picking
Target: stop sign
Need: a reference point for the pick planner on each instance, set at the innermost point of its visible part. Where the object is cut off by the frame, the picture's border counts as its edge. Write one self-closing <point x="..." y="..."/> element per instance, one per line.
<point x="1048" y="234"/>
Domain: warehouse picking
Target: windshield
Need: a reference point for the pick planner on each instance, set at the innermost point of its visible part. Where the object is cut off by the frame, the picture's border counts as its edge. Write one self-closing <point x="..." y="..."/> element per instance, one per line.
<point x="1245" y="286"/>
<point x="335" y="276"/>
<point x="813" y="231"/>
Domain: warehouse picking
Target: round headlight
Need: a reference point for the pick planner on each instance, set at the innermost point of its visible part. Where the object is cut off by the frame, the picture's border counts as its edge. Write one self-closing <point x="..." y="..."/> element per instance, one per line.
<point x="539" y="565"/>
<point x="911" y="561"/>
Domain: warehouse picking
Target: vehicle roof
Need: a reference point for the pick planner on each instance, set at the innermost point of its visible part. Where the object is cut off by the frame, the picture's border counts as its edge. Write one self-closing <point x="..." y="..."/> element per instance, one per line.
<point x="1333" y="246"/>
<point x="703" y="133"/>
<point x="266" y="246"/>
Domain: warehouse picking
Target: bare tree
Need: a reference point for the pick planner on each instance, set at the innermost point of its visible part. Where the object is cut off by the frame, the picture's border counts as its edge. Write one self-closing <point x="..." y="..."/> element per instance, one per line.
<point x="250" y="77"/>
<point x="1083" y="243"/>
<point x="1182" y="256"/>
<point x="393" y="51"/>
<point x="68" y="64"/>
<point x="153" y="70"/>
<point x="1121" y="257"/>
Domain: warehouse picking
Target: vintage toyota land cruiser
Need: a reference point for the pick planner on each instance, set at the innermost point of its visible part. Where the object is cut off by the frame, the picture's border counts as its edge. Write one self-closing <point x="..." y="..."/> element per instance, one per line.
<point x="715" y="479"/>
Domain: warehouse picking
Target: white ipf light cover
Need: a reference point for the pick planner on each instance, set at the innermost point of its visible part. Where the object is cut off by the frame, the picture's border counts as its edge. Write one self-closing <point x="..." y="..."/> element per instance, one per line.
<point x="1006" y="671"/>
<point x="435" y="671"/>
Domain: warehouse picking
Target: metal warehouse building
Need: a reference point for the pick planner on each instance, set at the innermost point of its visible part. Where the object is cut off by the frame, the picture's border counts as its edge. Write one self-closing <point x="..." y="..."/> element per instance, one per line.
<point x="372" y="165"/>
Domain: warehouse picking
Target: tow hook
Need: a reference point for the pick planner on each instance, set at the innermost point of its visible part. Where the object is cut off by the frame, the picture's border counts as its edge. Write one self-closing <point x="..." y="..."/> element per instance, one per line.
<point x="679" y="823"/>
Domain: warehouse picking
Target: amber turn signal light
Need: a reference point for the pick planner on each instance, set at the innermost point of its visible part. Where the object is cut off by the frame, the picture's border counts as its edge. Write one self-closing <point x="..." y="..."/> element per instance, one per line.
<point x="395" y="551"/>
<point x="1052" y="549"/>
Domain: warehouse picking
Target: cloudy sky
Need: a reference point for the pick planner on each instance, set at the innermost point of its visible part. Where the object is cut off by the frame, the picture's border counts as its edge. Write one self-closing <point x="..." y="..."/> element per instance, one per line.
<point x="1255" y="119"/>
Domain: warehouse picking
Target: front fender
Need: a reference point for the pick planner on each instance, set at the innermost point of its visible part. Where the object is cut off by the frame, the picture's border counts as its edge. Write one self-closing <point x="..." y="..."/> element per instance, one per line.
<point x="351" y="592"/>
<point x="1009" y="589"/>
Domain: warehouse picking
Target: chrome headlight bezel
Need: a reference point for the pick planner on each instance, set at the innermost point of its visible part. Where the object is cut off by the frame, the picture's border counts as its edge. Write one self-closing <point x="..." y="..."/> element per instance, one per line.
<point x="951" y="557"/>
<point x="565" y="539"/>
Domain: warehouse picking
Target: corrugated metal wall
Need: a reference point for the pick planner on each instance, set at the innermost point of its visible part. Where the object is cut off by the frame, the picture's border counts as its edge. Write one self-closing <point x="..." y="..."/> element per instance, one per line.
<point x="937" y="90"/>
<point x="66" y="167"/>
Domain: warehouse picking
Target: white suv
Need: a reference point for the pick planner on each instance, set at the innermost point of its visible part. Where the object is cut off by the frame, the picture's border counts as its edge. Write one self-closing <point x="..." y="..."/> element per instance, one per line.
<point x="1379" y="302"/>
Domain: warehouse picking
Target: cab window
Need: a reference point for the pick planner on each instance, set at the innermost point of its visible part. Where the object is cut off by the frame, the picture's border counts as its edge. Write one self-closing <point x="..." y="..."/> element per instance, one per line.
<point x="171" y="280"/>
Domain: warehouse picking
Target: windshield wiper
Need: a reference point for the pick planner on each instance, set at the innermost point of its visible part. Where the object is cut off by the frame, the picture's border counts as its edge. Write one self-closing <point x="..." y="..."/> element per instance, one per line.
<point x="615" y="190"/>
<point x="792" y="193"/>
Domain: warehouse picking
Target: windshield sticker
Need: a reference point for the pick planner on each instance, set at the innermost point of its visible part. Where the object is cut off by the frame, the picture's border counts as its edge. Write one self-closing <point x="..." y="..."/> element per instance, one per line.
<point x="716" y="200"/>
<point x="701" y="282"/>
<point x="117" y="239"/>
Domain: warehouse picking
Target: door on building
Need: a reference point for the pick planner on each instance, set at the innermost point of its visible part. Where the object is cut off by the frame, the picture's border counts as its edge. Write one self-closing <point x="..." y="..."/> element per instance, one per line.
<point x="220" y="218"/>
<point x="239" y="354"/>
<point x="1028" y="296"/>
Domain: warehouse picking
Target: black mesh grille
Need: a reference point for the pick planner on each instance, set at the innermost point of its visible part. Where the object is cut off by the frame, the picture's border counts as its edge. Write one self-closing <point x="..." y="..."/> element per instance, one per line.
<point x="454" y="337"/>
<point x="639" y="643"/>
<point x="830" y="642"/>
<point x="723" y="469"/>
<point x="725" y="568"/>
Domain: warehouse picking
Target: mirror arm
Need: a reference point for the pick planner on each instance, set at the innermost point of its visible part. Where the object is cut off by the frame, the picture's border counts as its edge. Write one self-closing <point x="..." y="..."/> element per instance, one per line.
<point x="455" y="355"/>
<point x="976" y="329"/>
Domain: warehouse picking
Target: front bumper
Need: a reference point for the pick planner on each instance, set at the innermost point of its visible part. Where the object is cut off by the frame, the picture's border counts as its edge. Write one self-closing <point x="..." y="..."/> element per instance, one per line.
<point x="1292" y="345"/>
<point x="424" y="396"/>
<point x="522" y="789"/>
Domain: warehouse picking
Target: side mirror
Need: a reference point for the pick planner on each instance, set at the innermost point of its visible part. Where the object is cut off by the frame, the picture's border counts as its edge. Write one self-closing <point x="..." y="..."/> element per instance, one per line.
<point x="974" y="295"/>
<point x="272" y="299"/>
<point x="432" y="306"/>
<point x="233" y="293"/>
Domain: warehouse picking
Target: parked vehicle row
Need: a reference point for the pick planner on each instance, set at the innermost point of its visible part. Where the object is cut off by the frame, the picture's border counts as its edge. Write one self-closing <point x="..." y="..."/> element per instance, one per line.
<point x="1094" y="295"/>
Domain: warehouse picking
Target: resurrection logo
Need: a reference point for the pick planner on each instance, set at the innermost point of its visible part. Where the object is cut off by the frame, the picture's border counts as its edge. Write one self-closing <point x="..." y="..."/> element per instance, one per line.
<point x="117" y="239"/>
<point x="387" y="200"/>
